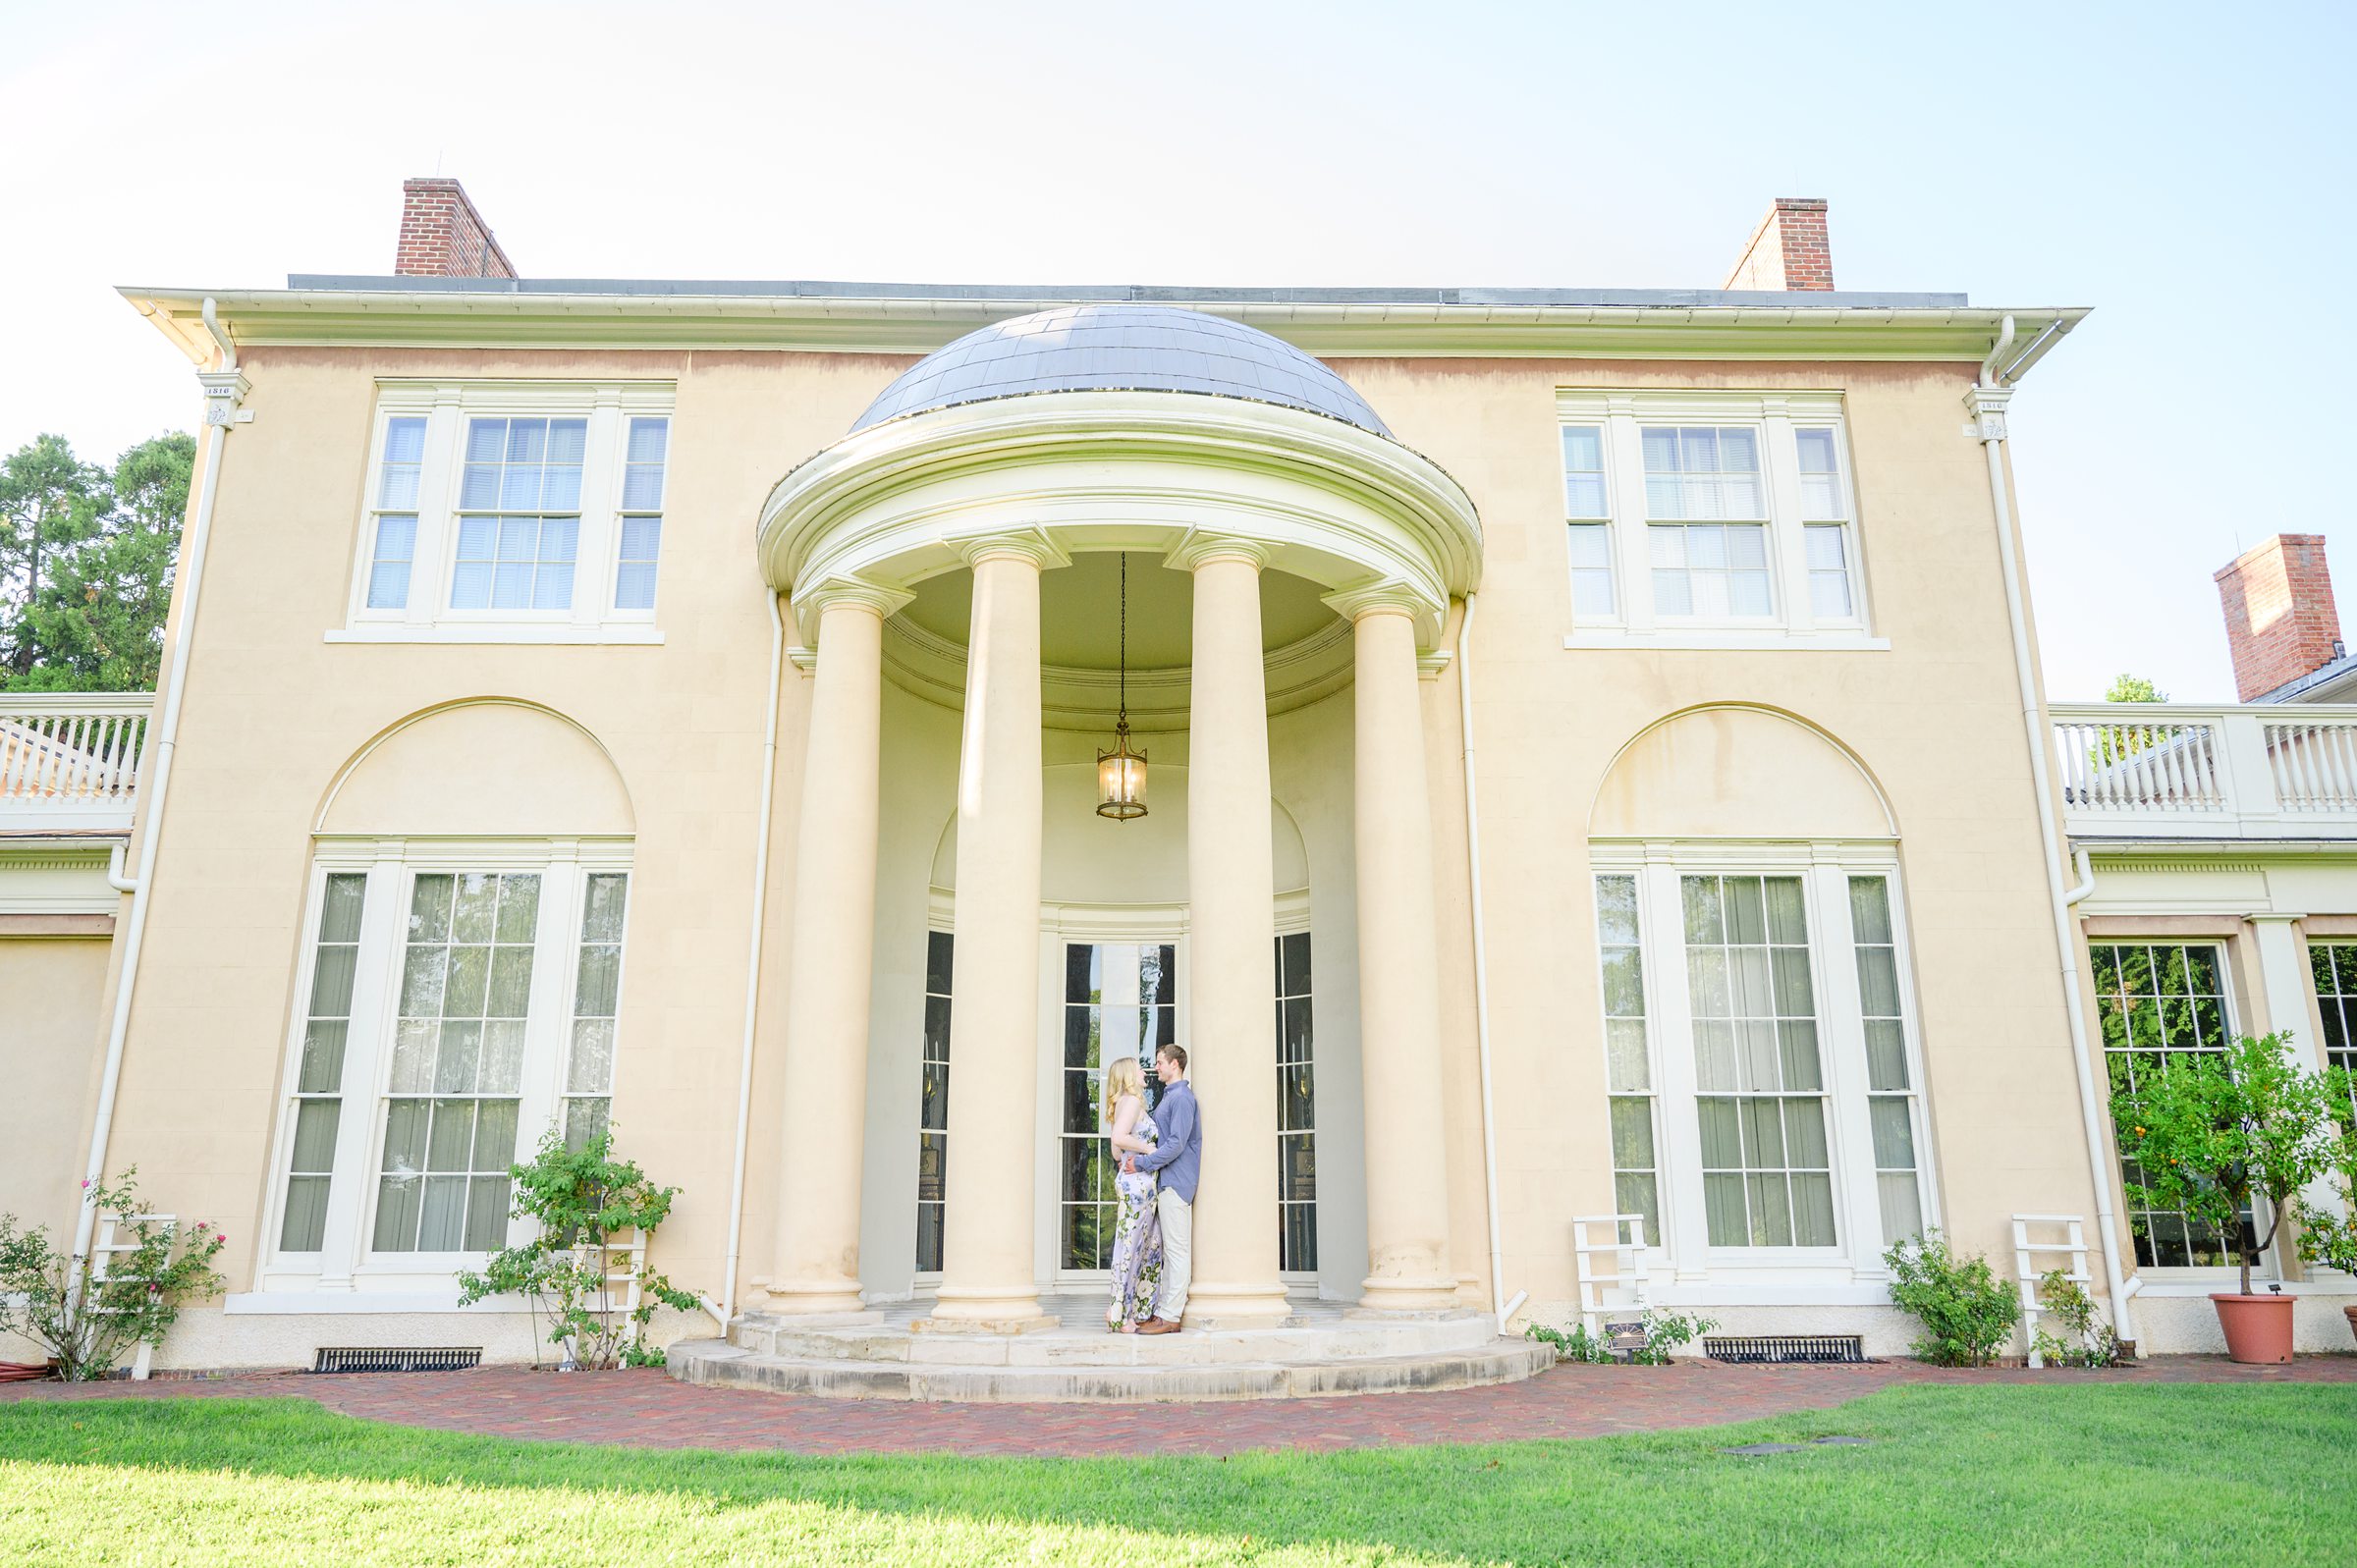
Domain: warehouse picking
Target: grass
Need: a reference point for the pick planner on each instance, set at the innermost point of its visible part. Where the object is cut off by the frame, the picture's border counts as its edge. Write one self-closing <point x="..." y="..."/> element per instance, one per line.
<point x="2084" y="1476"/>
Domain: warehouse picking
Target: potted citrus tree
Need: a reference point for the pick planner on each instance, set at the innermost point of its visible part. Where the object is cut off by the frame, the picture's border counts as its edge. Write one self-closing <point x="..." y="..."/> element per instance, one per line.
<point x="2215" y="1135"/>
<point x="2327" y="1237"/>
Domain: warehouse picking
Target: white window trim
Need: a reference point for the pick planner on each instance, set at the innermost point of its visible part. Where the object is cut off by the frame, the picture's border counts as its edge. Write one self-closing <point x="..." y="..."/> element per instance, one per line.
<point x="1774" y="415"/>
<point x="346" y="1264"/>
<point x="1825" y="867"/>
<point x="447" y="406"/>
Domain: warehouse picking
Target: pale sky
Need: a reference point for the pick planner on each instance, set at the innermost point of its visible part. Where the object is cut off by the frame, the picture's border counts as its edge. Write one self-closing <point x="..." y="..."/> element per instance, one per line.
<point x="2180" y="169"/>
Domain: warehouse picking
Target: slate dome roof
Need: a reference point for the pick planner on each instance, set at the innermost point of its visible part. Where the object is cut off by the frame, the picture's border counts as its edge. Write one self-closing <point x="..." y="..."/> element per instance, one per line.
<point x="1120" y="348"/>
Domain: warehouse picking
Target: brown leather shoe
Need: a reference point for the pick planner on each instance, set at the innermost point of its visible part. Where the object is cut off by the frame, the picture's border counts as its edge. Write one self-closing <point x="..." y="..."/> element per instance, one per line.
<point x="1158" y="1325"/>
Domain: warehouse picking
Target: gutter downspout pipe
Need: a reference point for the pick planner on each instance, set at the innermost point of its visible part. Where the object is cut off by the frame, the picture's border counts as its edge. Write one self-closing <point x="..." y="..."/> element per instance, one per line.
<point x="225" y="387"/>
<point x="1987" y="401"/>
<point x="1498" y="1304"/>
<point x="726" y="1310"/>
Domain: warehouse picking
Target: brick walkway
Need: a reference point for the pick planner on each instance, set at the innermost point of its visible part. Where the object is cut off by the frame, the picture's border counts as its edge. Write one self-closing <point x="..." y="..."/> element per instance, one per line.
<point x="1566" y="1402"/>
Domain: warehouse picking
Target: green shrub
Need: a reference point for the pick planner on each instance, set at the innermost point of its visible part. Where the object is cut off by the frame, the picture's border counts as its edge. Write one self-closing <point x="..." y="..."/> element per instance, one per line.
<point x="1967" y="1312"/>
<point x="85" y="1324"/>
<point x="1666" y="1334"/>
<point x="582" y="1198"/>
<point x="2091" y="1344"/>
<point x="2327" y="1237"/>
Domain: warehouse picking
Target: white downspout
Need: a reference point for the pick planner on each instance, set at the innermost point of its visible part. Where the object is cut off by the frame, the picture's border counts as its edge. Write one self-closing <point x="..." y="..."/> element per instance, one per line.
<point x="1498" y="1304"/>
<point x="224" y="389"/>
<point x="1988" y="402"/>
<point x="727" y="1309"/>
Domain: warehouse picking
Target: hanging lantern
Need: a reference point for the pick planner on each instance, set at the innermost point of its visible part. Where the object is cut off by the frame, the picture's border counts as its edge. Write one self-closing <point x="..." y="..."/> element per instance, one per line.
<point x="1121" y="772"/>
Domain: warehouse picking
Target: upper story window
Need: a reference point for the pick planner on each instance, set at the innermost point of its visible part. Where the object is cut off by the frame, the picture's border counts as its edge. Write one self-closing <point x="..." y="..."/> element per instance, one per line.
<point x="513" y="511"/>
<point x="1710" y="520"/>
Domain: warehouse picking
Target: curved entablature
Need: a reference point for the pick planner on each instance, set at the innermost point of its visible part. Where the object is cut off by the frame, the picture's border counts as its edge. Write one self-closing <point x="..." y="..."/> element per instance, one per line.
<point x="1158" y="473"/>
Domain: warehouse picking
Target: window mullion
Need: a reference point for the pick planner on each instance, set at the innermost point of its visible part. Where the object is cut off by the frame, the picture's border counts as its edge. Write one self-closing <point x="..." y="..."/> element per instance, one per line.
<point x="360" y="1131"/>
<point x="1781" y="454"/>
<point x="548" y="1024"/>
<point x="1664" y="957"/>
<point x="1624" y="493"/>
<point x="437" y="488"/>
<point x="1840" y="1026"/>
<point x="601" y="495"/>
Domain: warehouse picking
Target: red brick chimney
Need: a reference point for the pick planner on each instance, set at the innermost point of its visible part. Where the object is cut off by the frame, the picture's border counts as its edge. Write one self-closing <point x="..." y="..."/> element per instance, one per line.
<point x="1787" y="250"/>
<point x="2281" y="623"/>
<point x="442" y="236"/>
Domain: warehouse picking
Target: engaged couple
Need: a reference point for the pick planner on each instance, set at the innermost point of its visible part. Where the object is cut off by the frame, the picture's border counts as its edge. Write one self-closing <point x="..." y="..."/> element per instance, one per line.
<point x="1153" y="1243"/>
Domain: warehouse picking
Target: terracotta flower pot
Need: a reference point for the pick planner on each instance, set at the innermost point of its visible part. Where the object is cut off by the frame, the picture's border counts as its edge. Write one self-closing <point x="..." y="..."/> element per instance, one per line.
<point x="2257" y="1328"/>
<point x="2350" y="1313"/>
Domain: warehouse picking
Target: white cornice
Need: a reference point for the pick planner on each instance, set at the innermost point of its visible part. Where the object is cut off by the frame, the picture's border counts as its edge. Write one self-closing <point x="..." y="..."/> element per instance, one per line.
<point x="456" y="318"/>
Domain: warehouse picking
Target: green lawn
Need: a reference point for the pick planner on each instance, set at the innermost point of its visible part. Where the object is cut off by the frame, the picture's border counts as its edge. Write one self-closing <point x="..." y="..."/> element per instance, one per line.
<point x="2074" y="1474"/>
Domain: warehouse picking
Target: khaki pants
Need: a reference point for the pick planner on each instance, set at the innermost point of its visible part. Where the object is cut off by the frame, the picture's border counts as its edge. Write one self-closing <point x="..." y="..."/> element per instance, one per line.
<point x="1178" y="1217"/>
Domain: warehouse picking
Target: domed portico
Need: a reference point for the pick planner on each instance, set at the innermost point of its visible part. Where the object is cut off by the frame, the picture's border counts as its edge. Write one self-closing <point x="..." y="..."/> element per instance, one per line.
<point x="1232" y="458"/>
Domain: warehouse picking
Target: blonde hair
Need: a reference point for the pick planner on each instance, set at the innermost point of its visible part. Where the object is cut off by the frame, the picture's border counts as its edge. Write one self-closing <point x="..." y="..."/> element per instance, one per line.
<point x="1123" y="1078"/>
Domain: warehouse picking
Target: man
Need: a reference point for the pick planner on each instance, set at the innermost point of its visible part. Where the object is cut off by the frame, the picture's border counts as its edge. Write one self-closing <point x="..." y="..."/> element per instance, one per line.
<point x="1176" y="1159"/>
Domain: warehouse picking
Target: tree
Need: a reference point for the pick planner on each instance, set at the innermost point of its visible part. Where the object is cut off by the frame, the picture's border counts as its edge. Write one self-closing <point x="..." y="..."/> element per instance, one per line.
<point x="49" y="502"/>
<point x="91" y="616"/>
<point x="2119" y="742"/>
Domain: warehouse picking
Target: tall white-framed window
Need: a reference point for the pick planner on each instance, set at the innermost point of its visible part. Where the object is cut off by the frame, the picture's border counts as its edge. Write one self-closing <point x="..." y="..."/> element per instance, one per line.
<point x="1587" y="517"/>
<point x="1296" y="1107"/>
<point x="480" y="984"/>
<point x="2155" y="1001"/>
<point x="1628" y="1054"/>
<point x="1710" y="520"/>
<point x="933" y="1103"/>
<point x="1747" y="1079"/>
<point x="513" y="511"/>
<point x="1825" y="525"/>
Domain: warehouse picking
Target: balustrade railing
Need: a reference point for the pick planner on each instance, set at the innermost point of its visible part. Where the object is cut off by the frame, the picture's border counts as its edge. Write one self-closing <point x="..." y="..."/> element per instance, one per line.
<point x="2258" y="771"/>
<point x="70" y="761"/>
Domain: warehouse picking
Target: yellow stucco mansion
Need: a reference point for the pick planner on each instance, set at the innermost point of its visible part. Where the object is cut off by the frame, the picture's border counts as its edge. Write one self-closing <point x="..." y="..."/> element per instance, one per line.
<point x="1602" y="815"/>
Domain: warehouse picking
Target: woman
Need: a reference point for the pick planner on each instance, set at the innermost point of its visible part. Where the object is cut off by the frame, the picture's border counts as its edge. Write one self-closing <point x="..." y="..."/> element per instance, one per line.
<point x="1138" y="1235"/>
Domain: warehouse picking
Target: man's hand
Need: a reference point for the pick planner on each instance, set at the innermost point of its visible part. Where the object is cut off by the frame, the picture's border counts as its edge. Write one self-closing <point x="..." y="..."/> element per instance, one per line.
<point x="1129" y="1164"/>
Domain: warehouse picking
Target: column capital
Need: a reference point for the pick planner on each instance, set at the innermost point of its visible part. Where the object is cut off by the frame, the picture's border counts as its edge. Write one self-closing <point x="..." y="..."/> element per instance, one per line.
<point x="1201" y="548"/>
<point x="1013" y="544"/>
<point x="812" y="603"/>
<point x="1986" y="406"/>
<point x="1378" y="599"/>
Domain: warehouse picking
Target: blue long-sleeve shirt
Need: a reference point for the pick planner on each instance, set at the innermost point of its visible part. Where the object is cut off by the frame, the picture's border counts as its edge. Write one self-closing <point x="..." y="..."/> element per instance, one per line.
<point x="1178" y="1152"/>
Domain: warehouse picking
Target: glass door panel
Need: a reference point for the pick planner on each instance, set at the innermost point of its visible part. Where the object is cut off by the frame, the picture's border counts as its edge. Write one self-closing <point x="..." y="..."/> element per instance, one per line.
<point x="1121" y="998"/>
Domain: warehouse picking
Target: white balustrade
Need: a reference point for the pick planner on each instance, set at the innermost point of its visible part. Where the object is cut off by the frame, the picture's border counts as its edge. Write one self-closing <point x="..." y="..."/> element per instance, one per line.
<point x="70" y="761"/>
<point x="2180" y="769"/>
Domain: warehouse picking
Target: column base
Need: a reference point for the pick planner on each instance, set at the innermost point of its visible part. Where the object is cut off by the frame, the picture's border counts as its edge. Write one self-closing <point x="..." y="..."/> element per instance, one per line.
<point x="1237" y="1307"/>
<point x="981" y="1310"/>
<point x="805" y="1298"/>
<point x="1394" y="1295"/>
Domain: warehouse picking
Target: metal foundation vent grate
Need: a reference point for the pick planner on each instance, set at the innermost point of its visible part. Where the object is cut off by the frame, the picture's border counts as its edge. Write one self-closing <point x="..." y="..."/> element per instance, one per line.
<point x="1787" y="1347"/>
<point x="398" y="1358"/>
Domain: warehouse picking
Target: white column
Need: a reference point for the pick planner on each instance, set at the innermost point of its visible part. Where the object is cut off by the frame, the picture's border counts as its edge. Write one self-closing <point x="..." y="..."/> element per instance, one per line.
<point x="2288" y="984"/>
<point x="1398" y="967"/>
<point x="828" y="974"/>
<point x="1231" y="926"/>
<point x="987" y="1279"/>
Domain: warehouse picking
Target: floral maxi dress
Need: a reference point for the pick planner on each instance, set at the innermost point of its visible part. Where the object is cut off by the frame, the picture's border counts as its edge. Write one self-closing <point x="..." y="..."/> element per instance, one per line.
<point x="1136" y="1236"/>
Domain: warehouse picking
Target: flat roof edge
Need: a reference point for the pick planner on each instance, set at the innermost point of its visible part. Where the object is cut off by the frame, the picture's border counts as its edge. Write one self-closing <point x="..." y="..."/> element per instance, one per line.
<point x="1119" y="293"/>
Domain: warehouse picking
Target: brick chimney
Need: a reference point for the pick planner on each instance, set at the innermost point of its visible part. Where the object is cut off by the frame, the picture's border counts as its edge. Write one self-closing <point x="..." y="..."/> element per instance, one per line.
<point x="2281" y="623"/>
<point x="442" y="236"/>
<point x="1787" y="250"/>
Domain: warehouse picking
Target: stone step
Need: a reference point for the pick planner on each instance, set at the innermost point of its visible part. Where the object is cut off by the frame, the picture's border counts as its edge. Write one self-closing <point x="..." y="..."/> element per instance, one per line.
<point x="1317" y="1343"/>
<point x="714" y="1361"/>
